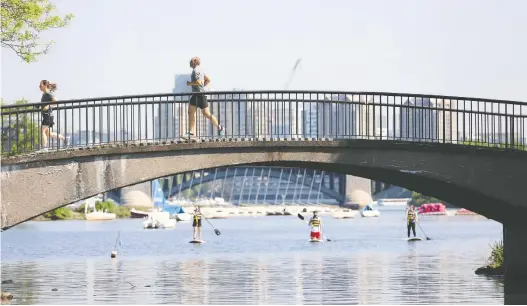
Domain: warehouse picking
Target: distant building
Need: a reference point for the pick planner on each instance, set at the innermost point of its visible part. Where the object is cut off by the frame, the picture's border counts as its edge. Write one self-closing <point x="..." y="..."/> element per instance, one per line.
<point x="170" y="122"/>
<point x="419" y="120"/>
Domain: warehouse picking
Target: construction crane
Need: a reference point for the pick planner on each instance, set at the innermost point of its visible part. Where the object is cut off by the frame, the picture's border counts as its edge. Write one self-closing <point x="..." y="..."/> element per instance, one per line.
<point x="292" y="75"/>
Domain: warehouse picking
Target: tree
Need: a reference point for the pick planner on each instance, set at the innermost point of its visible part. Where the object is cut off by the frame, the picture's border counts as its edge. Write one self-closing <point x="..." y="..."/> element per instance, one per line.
<point x="61" y="213"/>
<point x="20" y="131"/>
<point x="419" y="199"/>
<point x="22" y="23"/>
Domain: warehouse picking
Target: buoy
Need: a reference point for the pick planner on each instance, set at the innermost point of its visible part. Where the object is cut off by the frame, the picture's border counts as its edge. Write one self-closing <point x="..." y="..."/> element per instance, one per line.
<point x="6" y="296"/>
<point x="114" y="254"/>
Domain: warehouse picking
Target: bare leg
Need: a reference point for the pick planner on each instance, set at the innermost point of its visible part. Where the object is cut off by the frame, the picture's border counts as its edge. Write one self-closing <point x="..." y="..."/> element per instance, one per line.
<point x="192" y="119"/>
<point x="200" y="237"/>
<point x="194" y="234"/>
<point x="208" y="115"/>
<point x="56" y="136"/>
<point x="45" y="131"/>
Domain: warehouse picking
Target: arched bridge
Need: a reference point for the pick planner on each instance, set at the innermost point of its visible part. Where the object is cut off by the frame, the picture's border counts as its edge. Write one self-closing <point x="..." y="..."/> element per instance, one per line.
<point x="469" y="152"/>
<point x="118" y="128"/>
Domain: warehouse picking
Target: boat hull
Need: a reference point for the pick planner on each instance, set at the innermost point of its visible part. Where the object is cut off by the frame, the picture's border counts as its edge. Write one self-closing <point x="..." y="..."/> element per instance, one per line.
<point x="100" y="216"/>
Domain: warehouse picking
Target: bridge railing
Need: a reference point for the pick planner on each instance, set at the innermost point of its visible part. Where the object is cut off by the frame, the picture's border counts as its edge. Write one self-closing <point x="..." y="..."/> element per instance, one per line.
<point x="265" y="115"/>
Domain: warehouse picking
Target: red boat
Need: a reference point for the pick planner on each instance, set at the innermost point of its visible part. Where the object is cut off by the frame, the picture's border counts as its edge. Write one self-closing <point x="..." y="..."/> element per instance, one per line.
<point x="430" y="209"/>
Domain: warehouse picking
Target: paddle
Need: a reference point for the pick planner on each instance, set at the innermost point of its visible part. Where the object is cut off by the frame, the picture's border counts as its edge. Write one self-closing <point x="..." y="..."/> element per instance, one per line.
<point x="423" y="231"/>
<point x="217" y="231"/>
<point x="302" y="218"/>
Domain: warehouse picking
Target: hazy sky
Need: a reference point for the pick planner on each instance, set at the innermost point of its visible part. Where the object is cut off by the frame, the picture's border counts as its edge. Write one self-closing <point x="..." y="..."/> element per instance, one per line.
<point x="472" y="48"/>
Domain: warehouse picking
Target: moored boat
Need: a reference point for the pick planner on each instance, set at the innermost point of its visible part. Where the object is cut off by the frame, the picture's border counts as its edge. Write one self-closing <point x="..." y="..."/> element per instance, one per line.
<point x="368" y="211"/>
<point x="433" y="209"/>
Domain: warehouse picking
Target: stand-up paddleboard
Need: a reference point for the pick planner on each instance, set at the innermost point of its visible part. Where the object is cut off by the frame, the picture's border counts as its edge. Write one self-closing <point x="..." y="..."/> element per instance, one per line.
<point x="315" y="240"/>
<point x="415" y="239"/>
<point x="196" y="241"/>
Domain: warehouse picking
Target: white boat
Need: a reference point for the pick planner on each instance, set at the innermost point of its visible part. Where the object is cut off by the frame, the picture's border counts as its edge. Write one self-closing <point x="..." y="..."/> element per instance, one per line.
<point x="392" y="204"/>
<point x="96" y="215"/>
<point x="162" y="209"/>
<point x="346" y="214"/>
<point x="368" y="211"/>
<point x="158" y="220"/>
<point x="100" y="216"/>
<point x="183" y="217"/>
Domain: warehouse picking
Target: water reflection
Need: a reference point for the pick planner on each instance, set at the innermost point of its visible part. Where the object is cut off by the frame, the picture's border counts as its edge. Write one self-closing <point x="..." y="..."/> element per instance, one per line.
<point x="369" y="262"/>
<point x="365" y="278"/>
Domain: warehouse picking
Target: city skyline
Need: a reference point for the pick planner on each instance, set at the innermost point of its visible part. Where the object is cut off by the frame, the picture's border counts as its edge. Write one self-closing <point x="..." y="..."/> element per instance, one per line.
<point x="377" y="48"/>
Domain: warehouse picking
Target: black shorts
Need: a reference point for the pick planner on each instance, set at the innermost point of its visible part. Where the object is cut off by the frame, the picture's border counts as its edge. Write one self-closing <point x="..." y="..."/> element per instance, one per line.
<point x="199" y="101"/>
<point x="196" y="223"/>
<point x="48" y="120"/>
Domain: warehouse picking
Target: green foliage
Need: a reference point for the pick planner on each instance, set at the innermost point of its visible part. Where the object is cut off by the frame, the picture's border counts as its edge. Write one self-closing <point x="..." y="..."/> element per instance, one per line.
<point x="517" y="146"/>
<point x="111" y="207"/>
<point x="420" y="199"/>
<point x="62" y="213"/>
<point x="22" y="23"/>
<point x="122" y="212"/>
<point x="80" y="209"/>
<point x="20" y="131"/>
<point x="496" y="257"/>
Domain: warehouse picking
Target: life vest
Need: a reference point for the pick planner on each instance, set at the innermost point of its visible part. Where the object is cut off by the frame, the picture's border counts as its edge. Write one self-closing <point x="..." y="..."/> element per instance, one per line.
<point x="411" y="215"/>
<point x="197" y="216"/>
<point x="315" y="221"/>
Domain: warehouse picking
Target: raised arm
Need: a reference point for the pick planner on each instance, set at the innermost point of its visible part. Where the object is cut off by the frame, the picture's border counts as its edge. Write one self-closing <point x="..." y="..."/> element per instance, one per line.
<point x="207" y="80"/>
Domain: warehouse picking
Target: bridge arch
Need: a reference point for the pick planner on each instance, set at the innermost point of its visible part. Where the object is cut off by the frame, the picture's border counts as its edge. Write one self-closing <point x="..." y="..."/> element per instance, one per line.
<point x="275" y="173"/>
<point x="485" y="180"/>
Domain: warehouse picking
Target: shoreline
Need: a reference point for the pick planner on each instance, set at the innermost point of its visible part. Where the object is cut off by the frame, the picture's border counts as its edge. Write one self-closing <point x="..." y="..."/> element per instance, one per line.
<point x="262" y="210"/>
<point x="217" y="212"/>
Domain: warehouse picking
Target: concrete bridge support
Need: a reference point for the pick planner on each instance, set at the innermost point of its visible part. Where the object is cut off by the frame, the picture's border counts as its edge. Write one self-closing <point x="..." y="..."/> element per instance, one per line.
<point x="515" y="264"/>
<point x="358" y="190"/>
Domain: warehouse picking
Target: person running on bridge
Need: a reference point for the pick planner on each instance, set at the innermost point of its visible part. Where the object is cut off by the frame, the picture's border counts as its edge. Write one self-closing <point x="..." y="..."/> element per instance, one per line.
<point x="47" y="114"/>
<point x="199" y="80"/>
<point x="196" y="224"/>
<point x="316" y="226"/>
<point x="411" y="218"/>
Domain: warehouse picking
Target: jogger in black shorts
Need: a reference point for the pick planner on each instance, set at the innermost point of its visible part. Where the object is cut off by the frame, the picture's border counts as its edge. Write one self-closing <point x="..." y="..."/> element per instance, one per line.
<point x="48" y="120"/>
<point x="198" y="82"/>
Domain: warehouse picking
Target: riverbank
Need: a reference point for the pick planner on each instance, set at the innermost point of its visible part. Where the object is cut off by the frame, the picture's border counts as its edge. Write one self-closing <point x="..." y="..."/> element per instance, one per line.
<point x="74" y="216"/>
<point x="229" y="211"/>
<point x="494" y="265"/>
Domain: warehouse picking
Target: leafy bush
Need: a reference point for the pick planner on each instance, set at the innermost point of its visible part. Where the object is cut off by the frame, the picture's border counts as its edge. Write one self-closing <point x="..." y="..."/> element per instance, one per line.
<point x="419" y="199"/>
<point x="108" y="206"/>
<point x="496" y="255"/>
<point x="122" y="212"/>
<point x="61" y="213"/>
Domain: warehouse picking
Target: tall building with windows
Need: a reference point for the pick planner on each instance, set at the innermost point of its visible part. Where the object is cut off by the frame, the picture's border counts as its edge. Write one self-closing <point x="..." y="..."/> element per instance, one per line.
<point x="419" y="120"/>
<point x="447" y="121"/>
<point x="171" y="118"/>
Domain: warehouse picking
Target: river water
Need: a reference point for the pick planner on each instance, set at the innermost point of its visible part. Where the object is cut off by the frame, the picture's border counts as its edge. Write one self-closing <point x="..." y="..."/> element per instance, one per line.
<point x="256" y="260"/>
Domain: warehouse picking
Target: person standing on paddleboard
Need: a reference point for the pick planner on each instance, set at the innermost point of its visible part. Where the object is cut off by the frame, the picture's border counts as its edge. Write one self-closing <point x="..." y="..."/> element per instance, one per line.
<point x="411" y="218"/>
<point x="199" y="80"/>
<point x="196" y="223"/>
<point x="316" y="226"/>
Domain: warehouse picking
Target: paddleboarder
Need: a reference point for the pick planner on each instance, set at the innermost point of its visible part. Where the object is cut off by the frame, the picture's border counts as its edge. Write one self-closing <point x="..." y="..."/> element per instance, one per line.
<point x="411" y="218"/>
<point x="316" y="226"/>
<point x="196" y="223"/>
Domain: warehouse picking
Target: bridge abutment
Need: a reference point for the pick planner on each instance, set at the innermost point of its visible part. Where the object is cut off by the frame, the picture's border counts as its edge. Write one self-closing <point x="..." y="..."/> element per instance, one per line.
<point x="515" y="264"/>
<point x="358" y="191"/>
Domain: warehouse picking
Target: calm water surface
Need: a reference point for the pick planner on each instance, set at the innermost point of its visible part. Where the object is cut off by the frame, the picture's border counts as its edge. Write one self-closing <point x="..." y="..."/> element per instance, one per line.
<point x="256" y="260"/>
